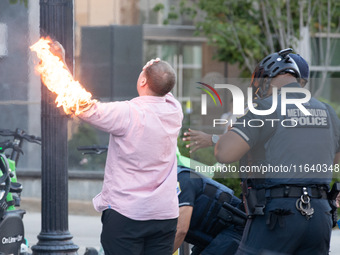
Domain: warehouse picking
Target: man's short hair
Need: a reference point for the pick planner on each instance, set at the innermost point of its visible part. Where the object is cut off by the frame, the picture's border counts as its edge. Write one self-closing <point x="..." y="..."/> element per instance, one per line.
<point x="160" y="77"/>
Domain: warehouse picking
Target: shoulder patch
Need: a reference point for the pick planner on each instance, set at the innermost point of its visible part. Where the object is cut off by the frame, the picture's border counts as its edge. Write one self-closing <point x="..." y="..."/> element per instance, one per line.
<point x="178" y="189"/>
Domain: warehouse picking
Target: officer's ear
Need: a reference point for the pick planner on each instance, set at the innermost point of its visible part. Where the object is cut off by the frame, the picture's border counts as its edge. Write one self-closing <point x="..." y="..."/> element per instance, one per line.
<point x="303" y="82"/>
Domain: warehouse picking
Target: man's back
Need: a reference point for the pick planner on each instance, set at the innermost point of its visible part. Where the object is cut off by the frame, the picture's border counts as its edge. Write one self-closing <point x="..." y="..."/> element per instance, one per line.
<point x="140" y="172"/>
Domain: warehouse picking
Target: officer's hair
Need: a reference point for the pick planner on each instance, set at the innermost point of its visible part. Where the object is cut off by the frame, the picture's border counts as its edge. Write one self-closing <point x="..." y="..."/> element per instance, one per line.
<point x="160" y="77"/>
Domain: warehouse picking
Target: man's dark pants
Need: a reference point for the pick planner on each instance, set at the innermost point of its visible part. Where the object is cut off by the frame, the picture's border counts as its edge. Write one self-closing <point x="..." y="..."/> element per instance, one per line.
<point x="123" y="236"/>
<point x="293" y="234"/>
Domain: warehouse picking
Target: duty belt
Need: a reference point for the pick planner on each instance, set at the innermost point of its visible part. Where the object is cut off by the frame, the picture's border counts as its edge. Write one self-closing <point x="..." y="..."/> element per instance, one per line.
<point x="295" y="192"/>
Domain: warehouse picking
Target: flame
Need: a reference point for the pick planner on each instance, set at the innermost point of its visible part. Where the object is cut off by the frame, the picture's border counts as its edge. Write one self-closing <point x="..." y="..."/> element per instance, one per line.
<point x="57" y="78"/>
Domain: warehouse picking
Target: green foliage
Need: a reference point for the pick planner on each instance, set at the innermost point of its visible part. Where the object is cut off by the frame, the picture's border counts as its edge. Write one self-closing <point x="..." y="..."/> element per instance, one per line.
<point x="207" y="157"/>
<point x="335" y="105"/>
<point x="86" y="136"/>
<point x="245" y="31"/>
<point x="326" y="10"/>
<point x="182" y="149"/>
<point x="232" y="183"/>
<point x="158" y="7"/>
<point x="25" y="2"/>
<point x="230" y="180"/>
<point x="172" y="14"/>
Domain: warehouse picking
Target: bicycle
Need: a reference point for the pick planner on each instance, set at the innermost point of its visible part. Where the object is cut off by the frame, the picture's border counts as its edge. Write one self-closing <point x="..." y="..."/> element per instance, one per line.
<point x="94" y="149"/>
<point x="12" y="238"/>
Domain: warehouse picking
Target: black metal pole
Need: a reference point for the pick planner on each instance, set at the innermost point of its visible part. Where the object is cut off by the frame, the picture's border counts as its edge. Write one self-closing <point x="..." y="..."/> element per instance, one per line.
<point x="56" y="21"/>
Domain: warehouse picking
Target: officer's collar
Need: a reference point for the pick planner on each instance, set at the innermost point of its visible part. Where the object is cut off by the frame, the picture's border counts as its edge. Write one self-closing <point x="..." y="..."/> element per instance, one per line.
<point x="289" y="85"/>
<point x="292" y="85"/>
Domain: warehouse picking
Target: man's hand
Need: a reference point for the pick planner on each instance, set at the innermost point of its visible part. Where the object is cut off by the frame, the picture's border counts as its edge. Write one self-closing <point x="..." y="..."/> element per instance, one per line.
<point x="58" y="50"/>
<point x="198" y="140"/>
<point x="149" y="63"/>
<point x="338" y="201"/>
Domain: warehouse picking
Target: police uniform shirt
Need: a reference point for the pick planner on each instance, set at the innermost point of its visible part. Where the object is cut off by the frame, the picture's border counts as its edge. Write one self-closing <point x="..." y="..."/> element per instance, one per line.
<point x="202" y="224"/>
<point x="291" y="148"/>
<point x="188" y="188"/>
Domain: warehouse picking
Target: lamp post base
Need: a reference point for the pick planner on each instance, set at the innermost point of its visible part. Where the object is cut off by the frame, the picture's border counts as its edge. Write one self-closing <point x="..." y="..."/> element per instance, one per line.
<point x="55" y="243"/>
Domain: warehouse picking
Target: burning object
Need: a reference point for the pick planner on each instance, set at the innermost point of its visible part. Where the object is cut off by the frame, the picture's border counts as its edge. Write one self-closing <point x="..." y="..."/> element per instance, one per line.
<point x="57" y="78"/>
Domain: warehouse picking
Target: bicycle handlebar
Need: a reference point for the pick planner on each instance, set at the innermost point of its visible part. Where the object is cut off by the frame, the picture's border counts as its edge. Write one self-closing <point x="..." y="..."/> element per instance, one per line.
<point x="18" y="137"/>
<point x="20" y="134"/>
<point x="94" y="149"/>
<point x="10" y="145"/>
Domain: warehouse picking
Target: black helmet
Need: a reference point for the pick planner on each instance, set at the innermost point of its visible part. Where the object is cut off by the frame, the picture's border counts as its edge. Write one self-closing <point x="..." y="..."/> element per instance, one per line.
<point x="271" y="66"/>
<point x="302" y="65"/>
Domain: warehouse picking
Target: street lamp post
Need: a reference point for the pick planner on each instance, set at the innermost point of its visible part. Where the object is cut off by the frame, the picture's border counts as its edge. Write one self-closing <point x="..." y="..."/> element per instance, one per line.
<point x="56" y="21"/>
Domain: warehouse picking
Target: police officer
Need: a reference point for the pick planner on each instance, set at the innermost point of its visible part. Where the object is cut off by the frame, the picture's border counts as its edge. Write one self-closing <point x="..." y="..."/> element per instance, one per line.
<point x="201" y="140"/>
<point x="209" y="215"/>
<point x="287" y="205"/>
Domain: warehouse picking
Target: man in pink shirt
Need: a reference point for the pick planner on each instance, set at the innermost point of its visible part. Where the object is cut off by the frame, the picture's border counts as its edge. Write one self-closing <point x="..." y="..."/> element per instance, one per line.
<point x="138" y="200"/>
